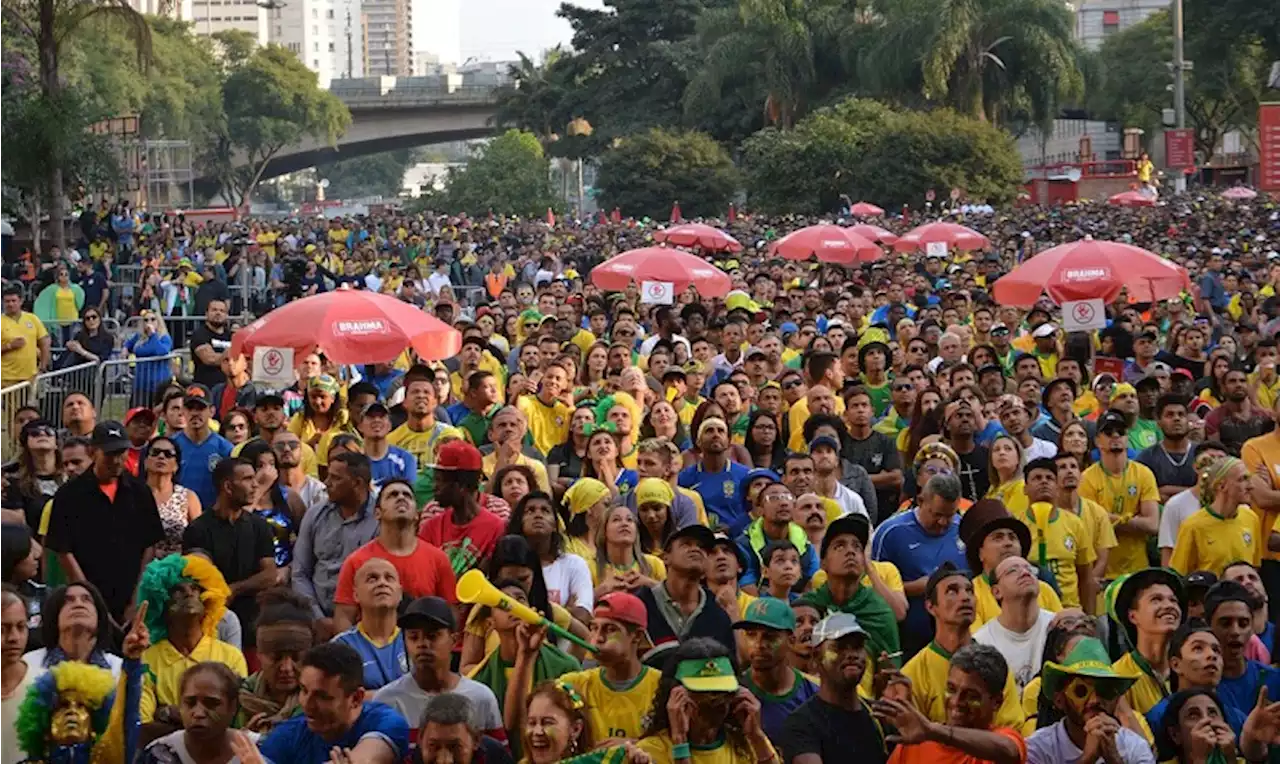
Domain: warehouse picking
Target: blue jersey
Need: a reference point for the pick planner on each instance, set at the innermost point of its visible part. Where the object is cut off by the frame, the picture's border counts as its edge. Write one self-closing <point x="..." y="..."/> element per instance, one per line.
<point x="398" y="463"/>
<point x="290" y="742"/>
<point x="196" y="471"/>
<point x="382" y="665"/>
<point x="902" y="541"/>
<point x="719" y="492"/>
<point x="1241" y="693"/>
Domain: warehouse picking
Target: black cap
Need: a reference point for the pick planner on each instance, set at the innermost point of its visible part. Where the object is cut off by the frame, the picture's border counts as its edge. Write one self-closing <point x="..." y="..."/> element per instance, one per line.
<point x="942" y="572"/>
<point x="855" y="524"/>
<point x="1199" y="579"/>
<point x="1148" y="335"/>
<point x="997" y="368"/>
<point x="376" y="407"/>
<point x="700" y="533"/>
<point x="30" y="428"/>
<point x="109" y="437"/>
<point x="1053" y="383"/>
<point x="1113" y="421"/>
<point x="427" y="612"/>
<point x="722" y="539"/>
<point x="257" y="394"/>
<point x="196" y="394"/>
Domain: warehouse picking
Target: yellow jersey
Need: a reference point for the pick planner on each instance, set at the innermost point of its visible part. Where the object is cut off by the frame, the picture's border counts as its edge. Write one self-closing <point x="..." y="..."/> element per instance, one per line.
<point x="65" y="304"/>
<point x="889" y="573"/>
<point x="1262" y="456"/>
<point x="1149" y="690"/>
<point x="1209" y="541"/>
<point x="1013" y="495"/>
<point x="985" y="607"/>
<point x="615" y="710"/>
<point x="1066" y="545"/>
<point x="163" y="667"/>
<point x="1267" y="394"/>
<point x="797" y="416"/>
<point x="422" y="444"/>
<point x="24" y="363"/>
<point x="657" y="569"/>
<point x="548" y="424"/>
<point x="1121" y="495"/>
<point x="489" y="464"/>
<point x="1097" y="525"/>
<point x="659" y="749"/>
<point x="928" y="671"/>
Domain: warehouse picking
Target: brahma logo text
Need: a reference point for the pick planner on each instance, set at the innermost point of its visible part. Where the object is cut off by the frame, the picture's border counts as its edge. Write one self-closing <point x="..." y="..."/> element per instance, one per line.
<point x="1086" y="274"/>
<point x="374" y="326"/>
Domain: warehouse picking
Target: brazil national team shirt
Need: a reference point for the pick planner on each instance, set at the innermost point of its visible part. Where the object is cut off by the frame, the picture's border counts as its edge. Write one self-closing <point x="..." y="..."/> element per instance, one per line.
<point x="719" y="492"/>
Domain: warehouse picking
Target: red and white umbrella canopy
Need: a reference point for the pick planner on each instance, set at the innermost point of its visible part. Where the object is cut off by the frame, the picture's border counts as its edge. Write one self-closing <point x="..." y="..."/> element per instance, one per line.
<point x="954" y="235"/>
<point x="865" y="210"/>
<point x="1089" y="269"/>
<point x="681" y="269"/>
<point x="1240" y="193"/>
<point x="829" y="243"/>
<point x="874" y="233"/>
<point x="1131" y="199"/>
<point x="698" y="235"/>
<point x="352" y="327"/>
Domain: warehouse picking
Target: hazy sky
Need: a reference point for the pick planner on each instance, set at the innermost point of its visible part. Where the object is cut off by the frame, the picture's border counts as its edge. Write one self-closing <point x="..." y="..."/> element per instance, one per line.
<point x="496" y="29"/>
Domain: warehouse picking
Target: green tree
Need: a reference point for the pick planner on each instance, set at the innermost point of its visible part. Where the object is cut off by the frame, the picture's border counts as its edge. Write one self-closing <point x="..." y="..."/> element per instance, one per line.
<point x="869" y="151"/>
<point x="533" y="99"/>
<point x="372" y="175"/>
<point x="49" y="25"/>
<point x="985" y="58"/>
<point x="509" y="174"/>
<point x="645" y="173"/>
<point x="1222" y="92"/>
<point x="271" y="101"/>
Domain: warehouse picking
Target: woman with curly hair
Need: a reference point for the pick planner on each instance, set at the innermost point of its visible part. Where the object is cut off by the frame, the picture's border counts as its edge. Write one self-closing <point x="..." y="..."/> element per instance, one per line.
<point x="764" y="441"/>
<point x="568" y="580"/>
<point x="605" y="463"/>
<point x="702" y="714"/>
<point x="186" y="598"/>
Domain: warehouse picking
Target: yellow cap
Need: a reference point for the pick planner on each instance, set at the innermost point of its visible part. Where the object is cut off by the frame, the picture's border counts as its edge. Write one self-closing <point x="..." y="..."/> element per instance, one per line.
<point x="584" y="494"/>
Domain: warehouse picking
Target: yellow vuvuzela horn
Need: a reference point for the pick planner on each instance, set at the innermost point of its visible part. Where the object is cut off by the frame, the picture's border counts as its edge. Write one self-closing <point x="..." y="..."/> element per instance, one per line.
<point x="474" y="588"/>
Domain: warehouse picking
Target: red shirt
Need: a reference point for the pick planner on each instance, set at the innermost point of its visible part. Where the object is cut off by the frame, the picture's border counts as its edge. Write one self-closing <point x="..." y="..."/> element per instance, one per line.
<point x="468" y="546"/>
<point x="424" y="572"/>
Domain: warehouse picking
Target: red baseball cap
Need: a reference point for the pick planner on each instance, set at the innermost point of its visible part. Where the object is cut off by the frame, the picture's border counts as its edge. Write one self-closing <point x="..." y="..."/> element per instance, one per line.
<point x="458" y="455"/>
<point x="140" y="410"/>
<point x="623" y="607"/>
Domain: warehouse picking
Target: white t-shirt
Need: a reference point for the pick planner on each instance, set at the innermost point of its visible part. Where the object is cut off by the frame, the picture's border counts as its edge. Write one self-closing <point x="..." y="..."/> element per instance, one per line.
<point x="405" y="696"/>
<point x="569" y="576"/>
<point x="850" y="502"/>
<point x="1177" y="509"/>
<point x="35" y="661"/>
<point x="1023" y="652"/>
<point x="9" y="718"/>
<point x="1051" y="745"/>
<point x="438" y="280"/>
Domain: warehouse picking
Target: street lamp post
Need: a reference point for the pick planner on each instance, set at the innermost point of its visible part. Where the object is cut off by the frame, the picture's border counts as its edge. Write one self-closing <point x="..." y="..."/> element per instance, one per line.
<point x="1179" y="86"/>
<point x="581" y="127"/>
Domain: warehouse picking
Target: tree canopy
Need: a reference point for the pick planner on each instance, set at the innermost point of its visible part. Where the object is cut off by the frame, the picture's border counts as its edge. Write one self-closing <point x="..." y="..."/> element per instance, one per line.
<point x="509" y="174"/>
<point x="645" y="173"/>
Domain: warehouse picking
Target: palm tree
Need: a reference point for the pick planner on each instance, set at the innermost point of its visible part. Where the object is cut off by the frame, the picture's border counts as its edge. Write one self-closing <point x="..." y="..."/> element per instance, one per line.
<point x="774" y="46"/>
<point x="49" y="25"/>
<point x="985" y="58"/>
<point x="532" y="101"/>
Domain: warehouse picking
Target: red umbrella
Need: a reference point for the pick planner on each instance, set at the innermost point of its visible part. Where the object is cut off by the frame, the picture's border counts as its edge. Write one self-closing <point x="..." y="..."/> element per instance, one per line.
<point x="675" y="213"/>
<point x="698" y="235"/>
<point x="352" y="327"/>
<point x="733" y="213"/>
<point x="1089" y="269"/>
<point x="865" y="210"/>
<point x="551" y="218"/>
<point x="830" y="243"/>
<point x="661" y="264"/>
<point x="874" y="233"/>
<point x="954" y="235"/>
<point x="1131" y="199"/>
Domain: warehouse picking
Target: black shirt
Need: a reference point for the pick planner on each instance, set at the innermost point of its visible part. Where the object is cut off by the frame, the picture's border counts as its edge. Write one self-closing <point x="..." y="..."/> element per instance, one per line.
<point x="974" y="480"/>
<point x="1170" y="469"/>
<point x="711" y="622"/>
<point x="877" y="453"/>
<point x="108" y="538"/>
<point x="832" y="733"/>
<point x="237" y="550"/>
<point x="220" y="341"/>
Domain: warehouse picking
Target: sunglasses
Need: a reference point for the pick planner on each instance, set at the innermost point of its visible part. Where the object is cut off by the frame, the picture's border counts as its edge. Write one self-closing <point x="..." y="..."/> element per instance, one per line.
<point x="163" y="453"/>
<point x="91" y="317"/>
<point x="287" y="445"/>
<point x="903" y="386"/>
<point x="791" y="384"/>
<point x="41" y="432"/>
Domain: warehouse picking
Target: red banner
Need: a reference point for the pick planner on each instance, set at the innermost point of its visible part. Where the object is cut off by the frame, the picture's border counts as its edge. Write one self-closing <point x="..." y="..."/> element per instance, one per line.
<point x="1180" y="148"/>
<point x="1269" y="147"/>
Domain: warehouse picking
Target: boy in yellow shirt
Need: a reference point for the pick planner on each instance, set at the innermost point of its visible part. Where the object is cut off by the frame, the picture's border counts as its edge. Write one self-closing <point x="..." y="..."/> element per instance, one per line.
<point x="1127" y="490"/>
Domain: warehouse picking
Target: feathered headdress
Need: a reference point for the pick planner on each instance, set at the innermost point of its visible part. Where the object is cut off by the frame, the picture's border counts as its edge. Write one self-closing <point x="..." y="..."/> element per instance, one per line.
<point x="92" y="683"/>
<point x="158" y="580"/>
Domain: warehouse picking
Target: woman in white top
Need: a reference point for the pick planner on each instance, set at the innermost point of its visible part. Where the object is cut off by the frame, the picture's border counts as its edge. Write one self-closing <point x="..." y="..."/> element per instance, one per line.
<point x="75" y="616"/>
<point x="210" y="698"/>
<point x="15" y="675"/>
<point x="568" y="579"/>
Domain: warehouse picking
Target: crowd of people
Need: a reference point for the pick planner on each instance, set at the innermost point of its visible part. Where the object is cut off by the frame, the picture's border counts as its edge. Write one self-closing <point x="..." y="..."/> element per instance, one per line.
<point x="843" y="513"/>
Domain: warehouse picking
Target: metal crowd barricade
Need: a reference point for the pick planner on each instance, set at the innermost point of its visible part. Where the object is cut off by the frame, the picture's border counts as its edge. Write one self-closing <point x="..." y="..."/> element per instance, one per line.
<point x="60" y="332"/>
<point x="12" y="398"/>
<point x="53" y="387"/>
<point x="469" y="295"/>
<point x="126" y="383"/>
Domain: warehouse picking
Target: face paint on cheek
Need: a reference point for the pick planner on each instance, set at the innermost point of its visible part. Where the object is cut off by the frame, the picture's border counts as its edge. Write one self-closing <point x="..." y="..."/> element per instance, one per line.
<point x="830" y="656"/>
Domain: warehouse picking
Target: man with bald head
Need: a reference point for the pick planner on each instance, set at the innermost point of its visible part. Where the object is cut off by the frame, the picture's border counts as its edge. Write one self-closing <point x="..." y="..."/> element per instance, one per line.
<point x="377" y="637"/>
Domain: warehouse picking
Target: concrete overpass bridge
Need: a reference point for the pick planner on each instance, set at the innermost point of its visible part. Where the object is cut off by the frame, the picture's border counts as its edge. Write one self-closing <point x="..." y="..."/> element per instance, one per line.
<point x="389" y="113"/>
